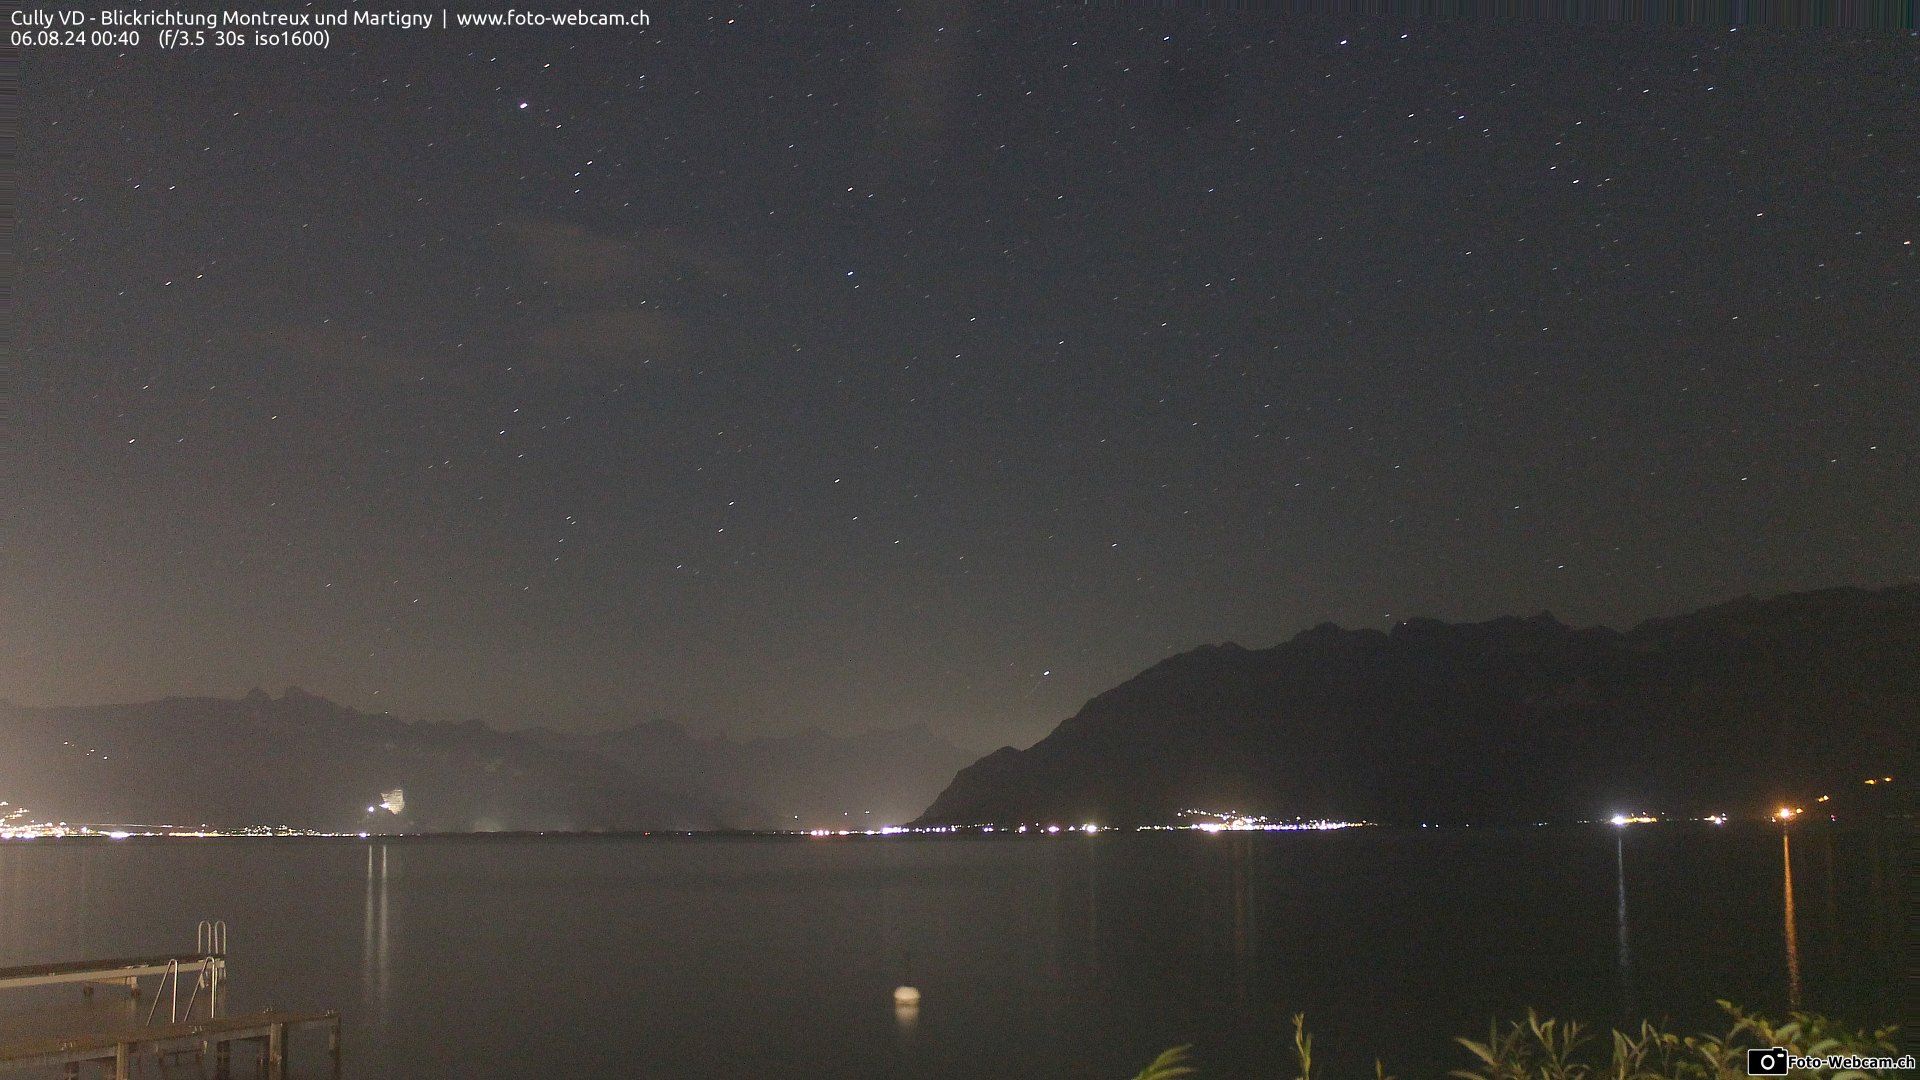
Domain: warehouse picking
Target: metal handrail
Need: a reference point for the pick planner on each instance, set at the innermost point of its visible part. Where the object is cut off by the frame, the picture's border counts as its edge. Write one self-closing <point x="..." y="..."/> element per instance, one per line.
<point x="194" y="995"/>
<point x="210" y="937"/>
<point x="173" y="975"/>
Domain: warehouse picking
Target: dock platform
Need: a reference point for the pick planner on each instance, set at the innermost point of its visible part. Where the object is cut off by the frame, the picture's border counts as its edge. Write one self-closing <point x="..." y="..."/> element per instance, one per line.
<point x="119" y="1038"/>
<point x="126" y="971"/>
<point x="117" y="1052"/>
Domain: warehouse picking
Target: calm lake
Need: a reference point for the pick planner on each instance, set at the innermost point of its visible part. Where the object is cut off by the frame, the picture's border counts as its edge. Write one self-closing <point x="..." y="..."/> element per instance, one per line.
<point x="1068" y="956"/>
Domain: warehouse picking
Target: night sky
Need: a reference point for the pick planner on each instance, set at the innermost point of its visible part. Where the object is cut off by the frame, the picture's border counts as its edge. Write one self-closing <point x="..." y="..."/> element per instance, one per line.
<point x="863" y="366"/>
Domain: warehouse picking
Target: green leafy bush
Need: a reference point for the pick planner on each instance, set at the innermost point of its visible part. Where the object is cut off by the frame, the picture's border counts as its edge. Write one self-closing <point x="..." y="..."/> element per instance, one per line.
<point x="1538" y="1049"/>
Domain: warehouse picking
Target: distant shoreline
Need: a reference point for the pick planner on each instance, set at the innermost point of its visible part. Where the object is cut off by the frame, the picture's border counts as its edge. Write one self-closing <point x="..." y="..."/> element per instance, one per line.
<point x="973" y="834"/>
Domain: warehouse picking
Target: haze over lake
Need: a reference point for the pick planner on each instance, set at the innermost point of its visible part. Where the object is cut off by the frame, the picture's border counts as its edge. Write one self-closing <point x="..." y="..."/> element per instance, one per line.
<point x="1070" y="956"/>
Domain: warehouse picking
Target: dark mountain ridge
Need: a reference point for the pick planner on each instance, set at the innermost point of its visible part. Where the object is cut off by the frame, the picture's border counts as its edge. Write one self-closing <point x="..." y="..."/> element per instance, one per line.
<point x="1730" y="708"/>
<point x="303" y="761"/>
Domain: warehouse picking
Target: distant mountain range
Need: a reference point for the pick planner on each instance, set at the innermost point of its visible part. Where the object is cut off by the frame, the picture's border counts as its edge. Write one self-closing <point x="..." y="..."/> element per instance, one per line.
<point x="303" y="761"/>
<point x="1729" y="709"/>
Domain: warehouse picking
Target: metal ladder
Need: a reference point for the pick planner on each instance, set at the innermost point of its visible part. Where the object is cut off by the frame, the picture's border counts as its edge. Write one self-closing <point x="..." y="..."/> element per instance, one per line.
<point x="210" y="942"/>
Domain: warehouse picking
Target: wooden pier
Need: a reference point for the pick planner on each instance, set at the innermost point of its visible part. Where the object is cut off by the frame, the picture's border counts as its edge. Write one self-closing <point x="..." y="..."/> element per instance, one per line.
<point x="120" y="1050"/>
<point x="125" y="971"/>
<point x="117" y="1052"/>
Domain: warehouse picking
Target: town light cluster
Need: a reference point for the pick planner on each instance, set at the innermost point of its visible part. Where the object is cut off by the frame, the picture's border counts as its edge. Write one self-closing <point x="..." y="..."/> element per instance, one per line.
<point x="17" y="823"/>
<point x="1216" y="821"/>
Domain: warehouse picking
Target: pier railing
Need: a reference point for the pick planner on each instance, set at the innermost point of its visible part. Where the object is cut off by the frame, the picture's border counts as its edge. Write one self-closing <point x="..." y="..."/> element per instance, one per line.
<point x="127" y="970"/>
<point x="117" y="1052"/>
<point x="208" y="961"/>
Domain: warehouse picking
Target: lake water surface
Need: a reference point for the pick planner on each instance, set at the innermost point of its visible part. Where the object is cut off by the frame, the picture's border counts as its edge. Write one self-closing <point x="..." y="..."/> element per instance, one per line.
<point x="1068" y="956"/>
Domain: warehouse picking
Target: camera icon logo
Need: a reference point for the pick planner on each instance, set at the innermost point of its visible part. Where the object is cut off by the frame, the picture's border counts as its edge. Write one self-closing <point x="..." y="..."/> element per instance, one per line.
<point x="1767" y="1061"/>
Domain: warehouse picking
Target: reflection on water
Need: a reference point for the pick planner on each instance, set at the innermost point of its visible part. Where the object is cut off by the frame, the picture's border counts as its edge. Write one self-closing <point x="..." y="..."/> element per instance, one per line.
<point x="1624" y="960"/>
<point x="376" y="964"/>
<point x="1242" y="889"/>
<point x="367" y="923"/>
<point x="906" y="1013"/>
<point x="1070" y="957"/>
<point x="1877" y="886"/>
<point x="1792" y="928"/>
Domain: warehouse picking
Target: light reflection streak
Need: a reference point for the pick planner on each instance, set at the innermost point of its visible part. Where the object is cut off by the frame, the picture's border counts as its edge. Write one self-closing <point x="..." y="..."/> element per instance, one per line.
<point x="366" y="929"/>
<point x="1624" y="958"/>
<point x="1792" y="930"/>
<point x="381" y="961"/>
<point x="374" y="959"/>
<point x="1242" y="919"/>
